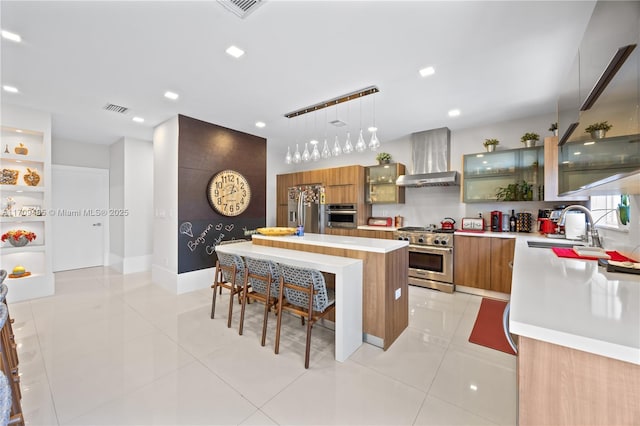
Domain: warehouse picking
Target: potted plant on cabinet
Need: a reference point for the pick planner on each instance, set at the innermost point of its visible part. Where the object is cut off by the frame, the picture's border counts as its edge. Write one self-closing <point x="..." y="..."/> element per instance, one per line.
<point x="383" y="158"/>
<point x="598" y="130"/>
<point x="623" y="209"/>
<point x="529" y="139"/>
<point x="490" y="144"/>
<point x="554" y="128"/>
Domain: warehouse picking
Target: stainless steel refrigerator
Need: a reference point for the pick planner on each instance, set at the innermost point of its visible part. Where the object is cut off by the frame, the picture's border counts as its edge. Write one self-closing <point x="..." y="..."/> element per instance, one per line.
<point x="306" y="207"/>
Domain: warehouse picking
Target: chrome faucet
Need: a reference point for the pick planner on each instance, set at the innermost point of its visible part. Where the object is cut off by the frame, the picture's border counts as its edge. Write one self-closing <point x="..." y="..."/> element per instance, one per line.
<point x="590" y="226"/>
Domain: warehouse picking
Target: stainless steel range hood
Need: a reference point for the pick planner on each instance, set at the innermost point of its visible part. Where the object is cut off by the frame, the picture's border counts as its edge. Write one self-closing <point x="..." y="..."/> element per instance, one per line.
<point x="430" y="160"/>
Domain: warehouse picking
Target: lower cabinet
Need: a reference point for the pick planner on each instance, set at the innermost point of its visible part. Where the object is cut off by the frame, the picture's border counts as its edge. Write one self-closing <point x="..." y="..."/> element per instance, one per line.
<point x="483" y="262"/>
<point x="365" y="233"/>
<point x="560" y="385"/>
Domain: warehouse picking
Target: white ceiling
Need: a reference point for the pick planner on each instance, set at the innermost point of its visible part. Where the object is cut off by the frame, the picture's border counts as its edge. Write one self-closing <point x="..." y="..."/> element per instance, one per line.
<point x="494" y="61"/>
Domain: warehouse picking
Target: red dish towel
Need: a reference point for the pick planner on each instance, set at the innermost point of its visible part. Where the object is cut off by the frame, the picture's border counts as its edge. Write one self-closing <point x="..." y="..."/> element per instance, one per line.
<point x="567" y="252"/>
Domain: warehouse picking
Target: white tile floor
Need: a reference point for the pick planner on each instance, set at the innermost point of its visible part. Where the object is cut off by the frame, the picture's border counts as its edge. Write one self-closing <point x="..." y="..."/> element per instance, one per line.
<point x="109" y="349"/>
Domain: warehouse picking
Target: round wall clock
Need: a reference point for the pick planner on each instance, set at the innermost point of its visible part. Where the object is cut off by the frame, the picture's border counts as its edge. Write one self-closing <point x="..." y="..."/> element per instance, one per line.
<point x="229" y="193"/>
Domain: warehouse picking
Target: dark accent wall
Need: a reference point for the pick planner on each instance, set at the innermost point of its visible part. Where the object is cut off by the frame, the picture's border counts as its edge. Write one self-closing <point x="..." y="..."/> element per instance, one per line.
<point x="205" y="149"/>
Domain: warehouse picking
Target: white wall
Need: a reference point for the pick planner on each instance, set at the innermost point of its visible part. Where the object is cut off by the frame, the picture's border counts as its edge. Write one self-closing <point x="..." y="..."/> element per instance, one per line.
<point x="73" y="153"/>
<point x="116" y="201"/>
<point x="131" y="205"/>
<point x="429" y="205"/>
<point x="165" y="203"/>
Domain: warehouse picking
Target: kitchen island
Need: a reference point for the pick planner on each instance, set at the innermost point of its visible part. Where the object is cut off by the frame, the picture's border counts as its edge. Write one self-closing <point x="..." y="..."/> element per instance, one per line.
<point x="385" y="302"/>
<point x="579" y="339"/>
<point x="348" y="287"/>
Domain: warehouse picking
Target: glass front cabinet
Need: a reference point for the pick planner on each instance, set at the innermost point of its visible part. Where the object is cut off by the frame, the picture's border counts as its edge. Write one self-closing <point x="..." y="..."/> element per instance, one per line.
<point x="510" y="175"/>
<point x="381" y="185"/>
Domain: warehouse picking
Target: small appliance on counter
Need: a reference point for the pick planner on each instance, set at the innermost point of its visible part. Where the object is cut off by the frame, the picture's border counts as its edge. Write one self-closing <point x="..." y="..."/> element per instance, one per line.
<point x="523" y="222"/>
<point x="472" y="224"/>
<point x="448" y="224"/>
<point x="380" y="221"/>
<point x="496" y="221"/>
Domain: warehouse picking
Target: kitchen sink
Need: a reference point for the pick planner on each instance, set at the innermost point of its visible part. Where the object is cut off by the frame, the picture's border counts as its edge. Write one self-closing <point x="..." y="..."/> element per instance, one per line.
<point x="550" y="244"/>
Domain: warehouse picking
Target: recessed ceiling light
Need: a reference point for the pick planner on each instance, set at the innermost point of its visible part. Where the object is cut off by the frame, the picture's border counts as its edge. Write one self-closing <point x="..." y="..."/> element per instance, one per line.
<point x="234" y="51"/>
<point x="454" y="113"/>
<point x="11" y="36"/>
<point x="10" y="89"/>
<point x="427" y="71"/>
<point x="138" y="119"/>
<point x="260" y="124"/>
<point x="171" y="95"/>
<point x="18" y="131"/>
<point x="372" y="129"/>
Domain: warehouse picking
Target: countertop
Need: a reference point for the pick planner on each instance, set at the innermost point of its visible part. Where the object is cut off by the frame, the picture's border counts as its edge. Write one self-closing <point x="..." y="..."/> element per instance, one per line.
<point x="377" y="228"/>
<point x="494" y="234"/>
<point x="374" y="245"/>
<point x="574" y="303"/>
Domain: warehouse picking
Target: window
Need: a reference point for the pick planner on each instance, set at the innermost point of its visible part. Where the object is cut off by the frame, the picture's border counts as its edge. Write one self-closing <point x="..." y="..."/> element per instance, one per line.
<point x="604" y="209"/>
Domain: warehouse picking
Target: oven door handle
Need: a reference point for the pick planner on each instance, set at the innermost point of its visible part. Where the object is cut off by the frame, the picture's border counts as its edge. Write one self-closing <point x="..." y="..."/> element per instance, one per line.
<point x="341" y="211"/>
<point x="430" y="249"/>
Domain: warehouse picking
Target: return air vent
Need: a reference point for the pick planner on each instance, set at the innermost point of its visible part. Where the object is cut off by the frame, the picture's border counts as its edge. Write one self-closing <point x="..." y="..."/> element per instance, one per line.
<point x="241" y="8"/>
<point x="116" y="108"/>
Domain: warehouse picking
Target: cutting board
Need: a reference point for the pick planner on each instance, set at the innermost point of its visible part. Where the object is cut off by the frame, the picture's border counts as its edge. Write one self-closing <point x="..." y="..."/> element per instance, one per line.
<point x="568" y="252"/>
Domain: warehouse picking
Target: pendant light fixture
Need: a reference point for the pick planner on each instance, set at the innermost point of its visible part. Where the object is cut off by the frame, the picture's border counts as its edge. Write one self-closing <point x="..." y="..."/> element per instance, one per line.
<point x="374" y="143"/>
<point x="348" y="147"/>
<point x="361" y="145"/>
<point x="325" y="149"/>
<point x="328" y="151"/>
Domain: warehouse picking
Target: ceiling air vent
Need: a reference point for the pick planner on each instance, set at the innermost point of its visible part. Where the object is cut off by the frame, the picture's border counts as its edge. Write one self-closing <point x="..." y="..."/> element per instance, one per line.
<point x="116" y="108"/>
<point x="241" y="8"/>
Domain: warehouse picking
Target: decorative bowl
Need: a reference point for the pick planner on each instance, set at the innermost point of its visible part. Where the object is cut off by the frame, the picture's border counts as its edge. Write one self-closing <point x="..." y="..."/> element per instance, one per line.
<point x="20" y="242"/>
<point x="276" y="231"/>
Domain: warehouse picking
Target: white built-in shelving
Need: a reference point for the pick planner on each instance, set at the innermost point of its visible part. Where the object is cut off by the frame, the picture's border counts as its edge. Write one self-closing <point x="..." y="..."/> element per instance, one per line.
<point x="24" y="206"/>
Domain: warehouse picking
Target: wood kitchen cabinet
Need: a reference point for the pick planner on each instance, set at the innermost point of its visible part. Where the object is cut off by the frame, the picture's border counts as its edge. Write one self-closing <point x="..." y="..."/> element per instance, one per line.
<point x="483" y="262"/>
<point x="343" y="185"/>
<point x="560" y="385"/>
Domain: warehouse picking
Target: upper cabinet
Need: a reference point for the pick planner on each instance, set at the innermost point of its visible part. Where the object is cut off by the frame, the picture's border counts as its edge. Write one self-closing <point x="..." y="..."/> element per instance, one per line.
<point x="381" y="185"/>
<point x="510" y="175"/>
<point x="609" y="90"/>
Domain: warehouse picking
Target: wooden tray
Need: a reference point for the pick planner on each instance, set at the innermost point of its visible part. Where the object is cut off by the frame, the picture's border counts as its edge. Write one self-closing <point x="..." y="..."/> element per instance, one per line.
<point x="276" y="231"/>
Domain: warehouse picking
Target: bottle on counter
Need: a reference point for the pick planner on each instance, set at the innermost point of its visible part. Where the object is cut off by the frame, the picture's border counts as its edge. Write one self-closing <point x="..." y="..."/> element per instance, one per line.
<point x="512" y="221"/>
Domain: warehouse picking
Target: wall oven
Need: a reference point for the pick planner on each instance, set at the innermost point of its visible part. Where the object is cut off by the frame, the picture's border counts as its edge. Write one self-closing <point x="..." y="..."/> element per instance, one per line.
<point x="341" y="216"/>
<point x="430" y="257"/>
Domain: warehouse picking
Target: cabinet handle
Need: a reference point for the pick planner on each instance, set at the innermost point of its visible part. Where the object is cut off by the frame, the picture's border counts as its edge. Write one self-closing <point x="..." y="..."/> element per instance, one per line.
<point x="510" y="263"/>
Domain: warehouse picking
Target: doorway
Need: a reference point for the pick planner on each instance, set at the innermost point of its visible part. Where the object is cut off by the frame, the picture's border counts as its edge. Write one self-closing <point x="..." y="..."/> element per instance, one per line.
<point x="80" y="220"/>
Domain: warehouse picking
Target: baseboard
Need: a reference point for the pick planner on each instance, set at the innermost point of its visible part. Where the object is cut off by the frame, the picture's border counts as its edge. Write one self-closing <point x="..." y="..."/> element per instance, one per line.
<point x="182" y="283"/>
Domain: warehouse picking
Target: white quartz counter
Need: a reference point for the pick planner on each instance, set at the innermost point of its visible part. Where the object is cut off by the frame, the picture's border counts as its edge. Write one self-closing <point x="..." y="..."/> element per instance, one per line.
<point x="574" y="303"/>
<point x="377" y="228"/>
<point x="374" y="245"/>
<point x="491" y="234"/>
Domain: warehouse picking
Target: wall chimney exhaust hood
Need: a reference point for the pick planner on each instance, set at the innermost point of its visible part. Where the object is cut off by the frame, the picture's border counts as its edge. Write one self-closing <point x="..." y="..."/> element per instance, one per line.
<point x="430" y="160"/>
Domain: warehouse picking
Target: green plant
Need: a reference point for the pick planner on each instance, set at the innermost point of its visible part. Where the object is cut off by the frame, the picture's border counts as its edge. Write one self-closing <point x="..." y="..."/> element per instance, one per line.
<point x="603" y="125"/>
<point x="488" y="142"/>
<point x="383" y="157"/>
<point x="521" y="191"/>
<point x="530" y="137"/>
<point x="623" y="209"/>
<point x="553" y="127"/>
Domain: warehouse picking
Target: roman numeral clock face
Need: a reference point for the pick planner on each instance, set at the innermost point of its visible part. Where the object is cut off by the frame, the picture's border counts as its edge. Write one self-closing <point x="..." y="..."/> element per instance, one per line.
<point x="229" y="193"/>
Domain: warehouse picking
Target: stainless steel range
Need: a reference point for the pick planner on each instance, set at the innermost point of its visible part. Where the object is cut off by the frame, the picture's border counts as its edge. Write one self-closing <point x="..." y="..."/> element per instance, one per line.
<point x="430" y="256"/>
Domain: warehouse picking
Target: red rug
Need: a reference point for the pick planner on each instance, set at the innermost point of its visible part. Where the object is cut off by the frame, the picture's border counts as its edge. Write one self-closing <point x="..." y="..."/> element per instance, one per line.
<point x="487" y="331"/>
